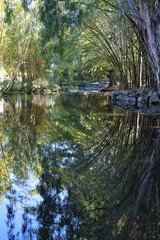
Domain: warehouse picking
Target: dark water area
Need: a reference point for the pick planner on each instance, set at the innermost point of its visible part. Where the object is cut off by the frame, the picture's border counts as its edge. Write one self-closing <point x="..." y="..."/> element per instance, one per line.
<point x="75" y="167"/>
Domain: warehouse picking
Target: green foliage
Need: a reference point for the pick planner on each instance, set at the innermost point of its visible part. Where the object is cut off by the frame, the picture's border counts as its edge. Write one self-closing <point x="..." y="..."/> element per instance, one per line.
<point x="57" y="17"/>
<point x="3" y="85"/>
<point x="8" y="12"/>
<point x="21" y="44"/>
<point x="26" y="3"/>
<point x="67" y="41"/>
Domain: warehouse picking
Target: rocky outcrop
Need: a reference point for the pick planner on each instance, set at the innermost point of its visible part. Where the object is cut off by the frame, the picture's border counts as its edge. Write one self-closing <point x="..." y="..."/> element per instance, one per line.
<point x="146" y="102"/>
<point x="135" y="97"/>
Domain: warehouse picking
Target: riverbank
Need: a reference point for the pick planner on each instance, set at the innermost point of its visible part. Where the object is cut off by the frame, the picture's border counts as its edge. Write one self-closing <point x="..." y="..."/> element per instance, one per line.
<point x="142" y="100"/>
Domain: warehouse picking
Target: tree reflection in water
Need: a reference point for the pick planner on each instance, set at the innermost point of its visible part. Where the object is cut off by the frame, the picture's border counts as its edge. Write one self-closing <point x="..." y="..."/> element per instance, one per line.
<point x="98" y="171"/>
<point x="126" y="166"/>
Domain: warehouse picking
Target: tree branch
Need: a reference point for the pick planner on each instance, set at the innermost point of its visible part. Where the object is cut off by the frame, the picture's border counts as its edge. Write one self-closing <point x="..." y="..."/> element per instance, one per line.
<point x="97" y="7"/>
<point x="110" y="4"/>
<point x="134" y="15"/>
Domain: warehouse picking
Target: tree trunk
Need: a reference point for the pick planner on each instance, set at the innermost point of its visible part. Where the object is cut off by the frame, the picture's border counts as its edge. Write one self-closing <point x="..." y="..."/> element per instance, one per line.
<point x="24" y="51"/>
<point x="10" y="85"/>
<point x="112" y="78"/>
<point x="147" y="26"/>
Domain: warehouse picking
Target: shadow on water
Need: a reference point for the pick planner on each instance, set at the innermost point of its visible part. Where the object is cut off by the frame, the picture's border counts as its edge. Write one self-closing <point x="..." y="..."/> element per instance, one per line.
<point x="76" y="168"/>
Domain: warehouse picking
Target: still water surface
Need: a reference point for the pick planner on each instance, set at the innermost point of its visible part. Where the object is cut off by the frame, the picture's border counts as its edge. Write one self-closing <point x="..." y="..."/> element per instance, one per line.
<point x="74" y="167"/>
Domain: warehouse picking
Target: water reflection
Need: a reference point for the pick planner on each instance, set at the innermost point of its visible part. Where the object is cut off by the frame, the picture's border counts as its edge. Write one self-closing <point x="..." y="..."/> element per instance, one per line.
<point x="76" y="168"/>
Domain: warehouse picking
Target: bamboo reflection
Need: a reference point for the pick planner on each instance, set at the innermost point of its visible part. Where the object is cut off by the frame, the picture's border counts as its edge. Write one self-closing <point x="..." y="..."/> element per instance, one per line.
<point x="126" y="165"/>
<point x="98" y="171"/>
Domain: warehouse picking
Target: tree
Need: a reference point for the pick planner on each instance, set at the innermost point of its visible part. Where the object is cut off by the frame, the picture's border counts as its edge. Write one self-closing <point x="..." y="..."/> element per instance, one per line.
<point x="60" y="19"/>
<point x="21" y="45"/>
<point x="1" y="20"/>
<point x="2" y="14"/>
<point x="143" y="15"/>
<point x="145" y="18"/>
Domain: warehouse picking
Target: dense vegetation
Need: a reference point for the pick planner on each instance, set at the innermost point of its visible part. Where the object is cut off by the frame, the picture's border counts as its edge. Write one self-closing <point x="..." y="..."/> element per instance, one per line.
<point x="71" y="41"/>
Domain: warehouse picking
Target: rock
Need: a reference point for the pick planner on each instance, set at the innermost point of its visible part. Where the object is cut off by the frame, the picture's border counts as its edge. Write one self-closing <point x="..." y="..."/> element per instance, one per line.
<point x="133" y="97"/>
<point x="123" y="97"/>
<point x="115" y="94"/>
<point x="133" y="100"/>
<point x="121" y="103"/>
<point x="154" y="109"/>
<point x="132" y="94"/>
<point x="144" y="102"/>
<point x="142" y="105"/>
<point x="56" y="88"/>
<point x="143" y="90"/>
<point x="154" y="99"/>
<point x="142" y="98"/>
<point x="151" y="93"/>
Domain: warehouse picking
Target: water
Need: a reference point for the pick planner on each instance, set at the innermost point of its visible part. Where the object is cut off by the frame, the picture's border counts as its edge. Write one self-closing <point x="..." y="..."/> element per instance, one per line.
<point x="75" y="167"/>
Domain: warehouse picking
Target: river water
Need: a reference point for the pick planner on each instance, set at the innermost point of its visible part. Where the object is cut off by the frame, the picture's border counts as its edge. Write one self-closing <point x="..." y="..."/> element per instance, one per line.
<point x="77" y="167"/>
